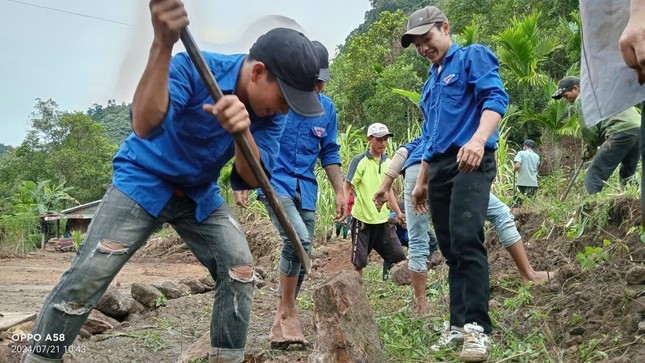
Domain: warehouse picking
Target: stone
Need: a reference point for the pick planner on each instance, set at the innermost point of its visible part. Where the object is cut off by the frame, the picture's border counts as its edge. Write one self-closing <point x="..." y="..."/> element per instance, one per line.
<point x="172" y="290"/>
<point x="207" y="280"/>
<point x="198" y="351"/>
<point x="196" y="287"/>
<point x="114" y="304"/>
<point x="634" y="291"/>
<point x="635" y="275"/>
<point x="84" y="334"/>
<point x="630" y="323"/>
<point x="145" y="294"/>
<point x="636" y="306"/>
<point x="97" y="322"/>
<point x="400" y="274"/>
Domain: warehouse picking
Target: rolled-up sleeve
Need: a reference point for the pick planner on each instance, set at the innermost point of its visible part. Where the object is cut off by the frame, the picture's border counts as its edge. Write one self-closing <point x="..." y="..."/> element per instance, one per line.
<point x="180" y="89"/>
<point x="484" y="77"/>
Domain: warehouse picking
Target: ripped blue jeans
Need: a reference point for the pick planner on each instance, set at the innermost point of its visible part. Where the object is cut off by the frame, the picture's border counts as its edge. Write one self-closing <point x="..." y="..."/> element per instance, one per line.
<point x="119" y="228"/>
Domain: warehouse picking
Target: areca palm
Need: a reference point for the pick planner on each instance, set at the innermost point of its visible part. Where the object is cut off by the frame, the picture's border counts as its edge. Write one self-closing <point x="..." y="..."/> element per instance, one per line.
<point x="522" y="48"/>
<point x="470" y="35"/>
<point x="572" y="30"/>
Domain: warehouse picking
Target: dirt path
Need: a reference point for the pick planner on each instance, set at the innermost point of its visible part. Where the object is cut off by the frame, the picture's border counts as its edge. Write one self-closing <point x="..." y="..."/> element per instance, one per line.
<point x="161" y="335"/>
<point x="25" y="282"/>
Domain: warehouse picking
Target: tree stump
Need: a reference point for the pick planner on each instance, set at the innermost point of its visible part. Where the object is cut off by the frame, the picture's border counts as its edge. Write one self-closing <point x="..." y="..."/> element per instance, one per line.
<point x="345" y="330"/>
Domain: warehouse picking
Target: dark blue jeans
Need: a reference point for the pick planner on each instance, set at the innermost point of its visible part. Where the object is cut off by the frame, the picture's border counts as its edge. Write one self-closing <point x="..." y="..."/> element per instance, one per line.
<point x="458" y="205"/>
<point x="119" y="228"/>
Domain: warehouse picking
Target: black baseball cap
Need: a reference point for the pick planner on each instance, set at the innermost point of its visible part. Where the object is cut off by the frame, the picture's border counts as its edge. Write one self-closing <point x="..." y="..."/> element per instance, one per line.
<point x="292" y="58"/>
<point x="564" y="84"/>
<point x="323" y="60"/>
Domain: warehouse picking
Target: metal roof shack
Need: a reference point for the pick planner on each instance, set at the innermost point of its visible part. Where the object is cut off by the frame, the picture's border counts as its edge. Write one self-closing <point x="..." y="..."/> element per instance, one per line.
<point x="81" y="212"/>
<point x="78" y="219"/>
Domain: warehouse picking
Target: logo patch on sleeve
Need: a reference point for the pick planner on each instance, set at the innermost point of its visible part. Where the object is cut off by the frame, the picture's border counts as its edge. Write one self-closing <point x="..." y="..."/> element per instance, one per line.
<point x="319" y="130"/>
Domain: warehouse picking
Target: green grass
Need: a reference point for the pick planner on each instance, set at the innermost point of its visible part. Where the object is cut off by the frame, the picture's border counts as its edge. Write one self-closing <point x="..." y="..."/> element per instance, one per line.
<point x="517" y="335"/>
<point x="405" y="338"/>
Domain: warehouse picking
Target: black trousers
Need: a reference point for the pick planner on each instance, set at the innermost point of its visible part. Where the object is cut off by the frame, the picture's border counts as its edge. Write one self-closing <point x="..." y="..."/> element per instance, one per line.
<point x="458" y="204"/>
<point x="619" y="149"/>
<point x="524" y="192"/>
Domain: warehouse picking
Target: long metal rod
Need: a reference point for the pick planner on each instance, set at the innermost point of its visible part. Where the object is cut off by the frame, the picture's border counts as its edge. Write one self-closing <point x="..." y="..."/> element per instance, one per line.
<point x="573" y="179"/>
<point x="243" y="143"/>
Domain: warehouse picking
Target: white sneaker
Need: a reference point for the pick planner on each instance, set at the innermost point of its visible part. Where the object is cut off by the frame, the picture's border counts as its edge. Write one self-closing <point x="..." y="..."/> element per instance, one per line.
<point x="450" y="334"/>
<point x="476" y="345"/>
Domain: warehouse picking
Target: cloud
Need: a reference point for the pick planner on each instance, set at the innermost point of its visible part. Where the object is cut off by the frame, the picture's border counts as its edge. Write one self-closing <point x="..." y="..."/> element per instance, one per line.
<point x="206" y="34"/>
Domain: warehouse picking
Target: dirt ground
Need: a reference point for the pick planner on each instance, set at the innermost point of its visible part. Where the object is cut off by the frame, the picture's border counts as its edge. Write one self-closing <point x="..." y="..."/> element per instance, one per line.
<point x="581" y="305"/>
<point x="27" y="281"/>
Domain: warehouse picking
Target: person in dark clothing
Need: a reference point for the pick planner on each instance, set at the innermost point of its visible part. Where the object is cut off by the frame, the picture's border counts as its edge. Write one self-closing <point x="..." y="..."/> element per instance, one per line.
<point x="462" y="102"/>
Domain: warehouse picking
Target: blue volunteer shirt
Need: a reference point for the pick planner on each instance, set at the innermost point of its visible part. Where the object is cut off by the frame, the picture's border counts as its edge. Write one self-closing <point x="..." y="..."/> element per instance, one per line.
<point x="416" y="148"/>
<point x="305" y="140"/>
<point x="454" y="98"/>
<point x="190" y="147"/>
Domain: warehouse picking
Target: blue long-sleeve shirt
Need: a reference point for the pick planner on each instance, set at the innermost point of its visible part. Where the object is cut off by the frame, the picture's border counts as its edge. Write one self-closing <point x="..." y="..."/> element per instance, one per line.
<point x="454" y="98"/>
<point x="416" y="148"/>
<point x="190" y="147"/>
<point x="305" y="140"/>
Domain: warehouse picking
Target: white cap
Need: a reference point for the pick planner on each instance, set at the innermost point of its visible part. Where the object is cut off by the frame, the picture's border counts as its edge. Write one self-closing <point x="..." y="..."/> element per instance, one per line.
<point x="378" y="130"/>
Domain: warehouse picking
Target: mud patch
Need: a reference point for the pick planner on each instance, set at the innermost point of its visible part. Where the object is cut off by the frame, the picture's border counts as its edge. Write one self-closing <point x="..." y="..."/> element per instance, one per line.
<point x="584" y="308"/>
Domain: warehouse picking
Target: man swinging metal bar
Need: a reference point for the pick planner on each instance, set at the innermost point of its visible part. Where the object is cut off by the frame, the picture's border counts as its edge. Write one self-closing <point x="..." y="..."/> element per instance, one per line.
<point x="166" y="171"/>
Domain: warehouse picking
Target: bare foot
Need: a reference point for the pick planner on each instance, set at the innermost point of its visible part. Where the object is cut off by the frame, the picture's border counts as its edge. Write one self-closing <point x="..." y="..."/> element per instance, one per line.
<point x="538" y="277"/>
<point x="421" y="308"/>
<point x="291" y="330"/>
<point x="275" y="334"/>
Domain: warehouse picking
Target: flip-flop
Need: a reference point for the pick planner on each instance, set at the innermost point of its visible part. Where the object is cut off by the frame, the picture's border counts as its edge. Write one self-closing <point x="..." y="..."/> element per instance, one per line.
<point x="280" y="345"/>
<point x="283" y="345"/>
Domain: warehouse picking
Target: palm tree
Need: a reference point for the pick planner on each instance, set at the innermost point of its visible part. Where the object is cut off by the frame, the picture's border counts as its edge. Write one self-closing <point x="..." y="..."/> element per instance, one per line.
<point x="470" y="35"/>
<point x="522" y="48"/>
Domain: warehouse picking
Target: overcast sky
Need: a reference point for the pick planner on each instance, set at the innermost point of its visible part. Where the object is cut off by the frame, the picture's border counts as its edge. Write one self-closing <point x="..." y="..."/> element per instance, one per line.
<point x="80" y="52"/>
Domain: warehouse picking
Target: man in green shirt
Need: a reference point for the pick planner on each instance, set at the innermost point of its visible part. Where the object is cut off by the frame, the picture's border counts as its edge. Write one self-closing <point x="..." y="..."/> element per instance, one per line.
<point x="369" y="228"/>
<point x="616" y="140"/>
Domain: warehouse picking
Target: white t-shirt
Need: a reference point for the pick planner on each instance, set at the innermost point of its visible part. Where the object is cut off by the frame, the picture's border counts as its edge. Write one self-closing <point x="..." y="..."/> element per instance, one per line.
<point x="529" y="165"/>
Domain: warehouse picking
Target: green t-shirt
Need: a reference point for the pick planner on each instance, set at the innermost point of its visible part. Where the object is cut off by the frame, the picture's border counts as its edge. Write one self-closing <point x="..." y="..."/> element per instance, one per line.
<point x="366" y="175"/>
<point x="594" y="136"/>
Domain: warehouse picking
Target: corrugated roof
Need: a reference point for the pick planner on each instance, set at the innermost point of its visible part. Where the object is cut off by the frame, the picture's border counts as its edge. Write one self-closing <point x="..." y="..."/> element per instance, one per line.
<point x="87" y="208"/>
